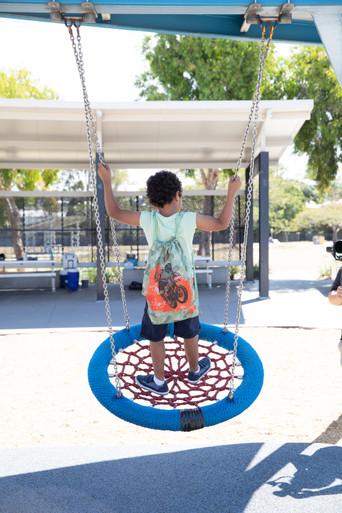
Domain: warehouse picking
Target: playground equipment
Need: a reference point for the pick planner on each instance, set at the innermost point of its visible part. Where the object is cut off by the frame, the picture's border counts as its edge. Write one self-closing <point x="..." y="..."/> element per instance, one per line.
<point x="111" y="397"/>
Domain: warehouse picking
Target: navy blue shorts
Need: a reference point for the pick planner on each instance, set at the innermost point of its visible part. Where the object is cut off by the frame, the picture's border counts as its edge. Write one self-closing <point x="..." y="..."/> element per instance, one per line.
<point x="188" y="328"/>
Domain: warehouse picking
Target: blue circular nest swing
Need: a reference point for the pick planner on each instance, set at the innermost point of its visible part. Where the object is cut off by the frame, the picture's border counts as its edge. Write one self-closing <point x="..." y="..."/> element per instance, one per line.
<point x="175" y="419"/>
<point x="111" y="398"/>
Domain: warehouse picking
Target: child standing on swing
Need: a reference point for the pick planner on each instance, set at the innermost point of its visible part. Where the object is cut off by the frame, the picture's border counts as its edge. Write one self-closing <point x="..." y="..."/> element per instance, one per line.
<point x="170" y="233"/>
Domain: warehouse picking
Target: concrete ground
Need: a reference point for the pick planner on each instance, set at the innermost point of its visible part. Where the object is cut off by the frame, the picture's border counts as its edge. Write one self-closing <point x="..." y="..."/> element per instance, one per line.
<point x="292" y="302"/>
<point x="249" y="478"/>
<point x="236" y="478"/>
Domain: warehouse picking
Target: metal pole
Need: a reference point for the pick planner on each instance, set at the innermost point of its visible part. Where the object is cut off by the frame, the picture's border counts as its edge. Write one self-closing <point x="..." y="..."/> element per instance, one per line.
<point x="250" y="239"/>
<point x="92" y="228"/>
<point x="24" y="226"/>
<point x="62" y="223"/>
<point x="137" y="227"/>
<point x="264" y="224"/>
<point x="212" y="233"/>
<point x="240" y="234"/>
<point x="102" y="212"/>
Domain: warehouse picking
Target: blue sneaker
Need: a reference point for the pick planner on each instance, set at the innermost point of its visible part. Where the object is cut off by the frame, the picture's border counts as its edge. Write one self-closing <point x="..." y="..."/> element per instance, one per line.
<point x="148" y="383"/>
<point x="204" y="368"/>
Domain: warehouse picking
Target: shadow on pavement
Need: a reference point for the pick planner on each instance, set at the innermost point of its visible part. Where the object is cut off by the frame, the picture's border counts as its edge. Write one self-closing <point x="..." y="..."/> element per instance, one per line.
<point x="222" y="479"/>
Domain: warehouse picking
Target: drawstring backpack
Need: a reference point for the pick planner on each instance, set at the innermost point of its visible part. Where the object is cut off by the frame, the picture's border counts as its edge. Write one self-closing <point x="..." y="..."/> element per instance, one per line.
<point x="169" y="282"/>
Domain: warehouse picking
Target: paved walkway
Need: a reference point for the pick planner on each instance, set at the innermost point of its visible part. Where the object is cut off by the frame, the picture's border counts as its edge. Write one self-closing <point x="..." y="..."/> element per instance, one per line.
<point x="292" y="302"/>
<point x="243" y="478"/>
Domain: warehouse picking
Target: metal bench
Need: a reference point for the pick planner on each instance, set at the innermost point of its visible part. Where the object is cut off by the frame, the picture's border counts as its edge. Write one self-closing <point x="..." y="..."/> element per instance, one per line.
<point x="208" y="272"/>
<point x="202" y="267"/>
<point x="50" y="274"/>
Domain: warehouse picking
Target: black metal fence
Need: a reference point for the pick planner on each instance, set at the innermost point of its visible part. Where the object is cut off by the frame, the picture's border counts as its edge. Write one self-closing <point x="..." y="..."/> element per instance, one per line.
<point x="51" y="224"/>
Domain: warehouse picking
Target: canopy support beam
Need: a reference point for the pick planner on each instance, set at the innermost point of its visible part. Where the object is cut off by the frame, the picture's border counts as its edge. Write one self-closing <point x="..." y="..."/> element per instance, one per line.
<point x="262" y="167"/>
<point x="102" y="215"/>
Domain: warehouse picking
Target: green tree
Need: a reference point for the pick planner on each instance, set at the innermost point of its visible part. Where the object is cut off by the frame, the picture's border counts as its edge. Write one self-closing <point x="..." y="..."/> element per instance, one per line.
<point x="80" y="180"/>
<point x="19" y="84"/>
<point x="193" y="68"/>
<point x="22" y="180"/>
<point x="324" y="218"/>
<point x="287" y="199"/>
<point x="333" y="192"/>
<point x="307" y="74"/>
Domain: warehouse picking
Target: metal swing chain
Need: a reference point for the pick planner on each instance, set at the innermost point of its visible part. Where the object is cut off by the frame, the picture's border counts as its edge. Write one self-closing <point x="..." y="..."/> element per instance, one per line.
<point x="262" y="60"/>
<point x="254" y="112"/>
<point x="91" y="131"/>
<point x="231" y="225"/>
<point x="100" y="154"/>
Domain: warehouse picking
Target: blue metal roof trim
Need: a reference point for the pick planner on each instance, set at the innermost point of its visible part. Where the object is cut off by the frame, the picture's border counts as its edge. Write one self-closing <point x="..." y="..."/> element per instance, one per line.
<point x="229" y="26"/>
<point x="206" y="24"/>
<point x="216" y="27"/>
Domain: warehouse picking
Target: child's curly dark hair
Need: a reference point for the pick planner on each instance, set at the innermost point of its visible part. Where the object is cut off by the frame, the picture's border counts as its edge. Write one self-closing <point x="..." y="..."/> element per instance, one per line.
<point x="161" y="188"/>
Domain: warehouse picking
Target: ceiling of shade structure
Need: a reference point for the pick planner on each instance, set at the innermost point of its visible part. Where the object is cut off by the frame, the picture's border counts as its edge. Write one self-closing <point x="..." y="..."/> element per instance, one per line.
<point x="52" y="134"/>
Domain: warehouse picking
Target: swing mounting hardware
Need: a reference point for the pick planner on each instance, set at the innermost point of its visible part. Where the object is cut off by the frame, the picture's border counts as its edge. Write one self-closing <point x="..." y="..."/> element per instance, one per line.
<point x="56" y="13"/>
<point x="256" y="15"/>
<point x="88" y="13"/>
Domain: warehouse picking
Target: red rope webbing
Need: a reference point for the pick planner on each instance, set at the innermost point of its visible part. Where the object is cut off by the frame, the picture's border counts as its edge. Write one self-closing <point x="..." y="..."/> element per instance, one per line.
<point x="213" y="387"/>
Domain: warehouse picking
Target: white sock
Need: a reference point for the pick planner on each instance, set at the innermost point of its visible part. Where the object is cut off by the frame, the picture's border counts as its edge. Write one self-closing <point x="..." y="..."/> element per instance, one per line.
<point x="158" y="382"/>
<point x="198" y="370"/>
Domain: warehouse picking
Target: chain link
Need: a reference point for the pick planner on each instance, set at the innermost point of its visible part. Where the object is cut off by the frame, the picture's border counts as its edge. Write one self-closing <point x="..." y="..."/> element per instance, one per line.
<point x="101" y="158"/>
<point x="94" y="146"/>
<point x="262" y="58"/>
<point x="253" y="116"/>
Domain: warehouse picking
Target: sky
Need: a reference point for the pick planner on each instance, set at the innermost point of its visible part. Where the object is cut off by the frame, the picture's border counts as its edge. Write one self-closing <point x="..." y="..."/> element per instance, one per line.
<point x="113" y="60"/>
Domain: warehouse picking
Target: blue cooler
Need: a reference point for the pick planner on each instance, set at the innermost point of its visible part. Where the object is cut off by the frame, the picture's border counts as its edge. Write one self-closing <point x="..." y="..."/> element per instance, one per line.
<point x="73" y="279"/>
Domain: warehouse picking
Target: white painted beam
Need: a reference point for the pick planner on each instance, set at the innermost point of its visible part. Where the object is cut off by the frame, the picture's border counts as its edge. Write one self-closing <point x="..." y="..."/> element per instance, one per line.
<point x="329" y="26"/>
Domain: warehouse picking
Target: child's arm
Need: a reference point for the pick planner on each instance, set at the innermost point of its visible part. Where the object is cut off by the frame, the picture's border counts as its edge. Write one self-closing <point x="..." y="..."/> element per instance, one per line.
<point x="214" y="224"/>
<point x="113" y="210"/>
<point x="335" y="297"/>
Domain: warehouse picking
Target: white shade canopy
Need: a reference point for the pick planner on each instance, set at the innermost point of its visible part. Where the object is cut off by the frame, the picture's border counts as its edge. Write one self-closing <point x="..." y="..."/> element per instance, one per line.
<point x="52" y="134"/>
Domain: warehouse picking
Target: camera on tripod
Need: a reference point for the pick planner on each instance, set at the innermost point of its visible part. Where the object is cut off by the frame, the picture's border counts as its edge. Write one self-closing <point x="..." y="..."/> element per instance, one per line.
<point x="336" y="249"/>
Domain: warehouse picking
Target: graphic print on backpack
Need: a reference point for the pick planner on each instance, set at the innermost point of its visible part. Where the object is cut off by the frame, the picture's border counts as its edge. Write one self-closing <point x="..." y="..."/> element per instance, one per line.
<point x="169" y="283"/>
<point x="169" y="289"/>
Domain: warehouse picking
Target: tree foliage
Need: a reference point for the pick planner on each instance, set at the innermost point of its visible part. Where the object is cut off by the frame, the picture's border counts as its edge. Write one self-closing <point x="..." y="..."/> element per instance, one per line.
<point x="27" y="179"/>
<point x="325" y="218"/>
<point x="307" y="74"/>
<point x="286" y="199"/>
<point x="20" y="84"/>
<point x="195" y="68"/>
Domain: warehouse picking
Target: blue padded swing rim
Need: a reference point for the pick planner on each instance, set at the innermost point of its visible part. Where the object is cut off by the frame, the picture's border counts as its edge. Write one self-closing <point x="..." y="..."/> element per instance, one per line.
<point x="154" y="418"/>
